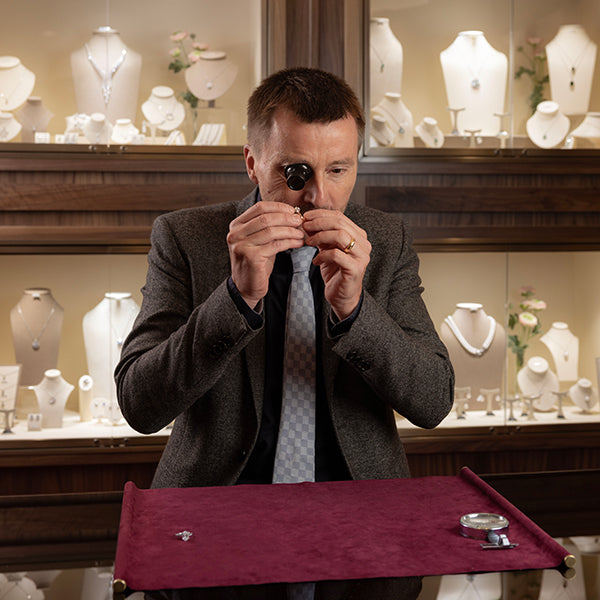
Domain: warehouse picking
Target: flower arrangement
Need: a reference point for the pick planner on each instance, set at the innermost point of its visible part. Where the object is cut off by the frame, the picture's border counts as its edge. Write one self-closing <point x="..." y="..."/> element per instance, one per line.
<point x="536" y="69"/>
<point x="183" y="58"/>
<point x="524" y="324"/>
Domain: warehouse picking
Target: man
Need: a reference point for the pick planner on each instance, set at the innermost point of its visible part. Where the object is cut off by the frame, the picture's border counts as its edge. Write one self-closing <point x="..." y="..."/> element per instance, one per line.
<point x="207" y="347"/>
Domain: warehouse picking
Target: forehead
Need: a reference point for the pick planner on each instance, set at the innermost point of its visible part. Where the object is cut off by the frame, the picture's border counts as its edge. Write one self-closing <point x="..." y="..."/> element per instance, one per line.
<point x="288" y="134"/>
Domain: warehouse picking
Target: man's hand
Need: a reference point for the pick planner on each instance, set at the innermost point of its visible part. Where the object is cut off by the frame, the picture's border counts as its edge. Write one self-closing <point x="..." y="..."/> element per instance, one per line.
<point x="254" y="239"/>
<point x="344" y="253"/>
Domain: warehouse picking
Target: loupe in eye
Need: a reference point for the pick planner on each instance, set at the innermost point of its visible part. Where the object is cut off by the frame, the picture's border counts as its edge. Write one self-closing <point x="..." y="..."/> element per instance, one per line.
<point x="297" y="175"/>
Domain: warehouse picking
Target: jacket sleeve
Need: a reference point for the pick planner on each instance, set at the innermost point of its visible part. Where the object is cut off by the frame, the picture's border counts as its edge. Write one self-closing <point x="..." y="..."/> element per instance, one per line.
<point x="393" y="343"/>
<point x="183" y="339"/>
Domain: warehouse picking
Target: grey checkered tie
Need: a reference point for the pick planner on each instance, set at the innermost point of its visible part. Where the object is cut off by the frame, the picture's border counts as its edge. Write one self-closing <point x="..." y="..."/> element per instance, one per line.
<point x="295" y="454"/>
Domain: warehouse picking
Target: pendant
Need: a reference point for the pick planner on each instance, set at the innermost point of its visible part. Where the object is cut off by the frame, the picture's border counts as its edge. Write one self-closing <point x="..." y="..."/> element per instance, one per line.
<point x="382" y="67"/>
<point x="209" y="85"/>
<point x="475" y="83"/>
<point x="572" y="84"/>
<point x="119" y="342"/>
<point x="566" y="355"/>
<point x="35" y="345"/>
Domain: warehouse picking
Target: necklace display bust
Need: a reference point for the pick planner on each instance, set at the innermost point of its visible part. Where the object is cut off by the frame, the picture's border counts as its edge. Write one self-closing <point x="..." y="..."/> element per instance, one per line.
<point x="34" y="117"/>
<point x="564" y="348"/>
<point x="124" y="132"/>
<point x="106" y="76"/>
<point x="391" y="118"/>
<point x="16" y="83"/>
<point x="548" y="126"/>
<point x="571" y="60"/>
<point x="162" y="109"/>
<point x="52" y="394"/>
<point x="211" y="76"/>
<point x="475" y="76"/>
<point x="430" y="133"/>
<point x="538" y="382"/>
<point x="9" y="127"/>
<point x="583" y="395"/>
<point x="386" y="60"/>
<point x="475" y="342"/>
<point x="36" y="324"/>
<point x="587" y="133"/>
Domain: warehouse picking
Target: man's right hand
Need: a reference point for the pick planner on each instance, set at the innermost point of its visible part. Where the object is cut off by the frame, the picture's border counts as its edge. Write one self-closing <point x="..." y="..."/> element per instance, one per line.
<point x="254" y="239"/>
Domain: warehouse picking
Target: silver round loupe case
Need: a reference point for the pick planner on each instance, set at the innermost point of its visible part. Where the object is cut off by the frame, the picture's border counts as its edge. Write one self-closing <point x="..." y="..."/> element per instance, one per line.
<point x="480" y="525"/>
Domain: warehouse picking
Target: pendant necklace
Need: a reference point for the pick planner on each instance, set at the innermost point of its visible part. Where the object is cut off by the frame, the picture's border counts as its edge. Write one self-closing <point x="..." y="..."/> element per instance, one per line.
<point x="106" y="77"/>
<point x="35" y="339"/>
<point x="476" y="74"/>
<point x="570" y="64"/>
<point x="465" y="344"/>
<point x="120" y="337"/>
<point x="549" y="128"/>
<point x="210" y="81"/>
<point x="379" y="58"/>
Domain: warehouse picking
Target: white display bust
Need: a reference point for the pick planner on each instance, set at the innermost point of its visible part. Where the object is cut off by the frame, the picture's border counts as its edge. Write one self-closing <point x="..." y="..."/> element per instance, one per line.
<point x="571" y="60"/>
<point x="106" y="75"/>
<point x="104" y="330"/>
<point x="475" y="77"/>
<point x="36" y="323"/>
<point x="386" y="60"/>
<point x="34" y="117"/>
<point x="587" y="133"/>
<point x="162" y="109"/>
<point x="564" y="348"/>
<point x="476" y="343"/>
<point x="583" y="395"/>
<point x="211" y="76"/>
<point x="537" y="381"/>
<point x="124" y="132"/>
<point x="96" y="129"/>
<point x="392" y="114"/>
<point x="9" y="127"/>
<point x="16" y="83"/>
<point x="430" y="133"/>
<point x="52" y="394"/>
<point x="548" y="126"/>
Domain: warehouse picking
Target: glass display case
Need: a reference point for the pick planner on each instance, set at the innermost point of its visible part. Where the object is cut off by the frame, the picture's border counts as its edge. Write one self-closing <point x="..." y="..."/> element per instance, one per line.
<point x="495" y="74"/>
<point x="113" y="73"/>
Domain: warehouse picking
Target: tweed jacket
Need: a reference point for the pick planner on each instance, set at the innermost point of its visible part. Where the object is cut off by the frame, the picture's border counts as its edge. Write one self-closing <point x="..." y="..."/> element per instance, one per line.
<point x="192" y="358"/>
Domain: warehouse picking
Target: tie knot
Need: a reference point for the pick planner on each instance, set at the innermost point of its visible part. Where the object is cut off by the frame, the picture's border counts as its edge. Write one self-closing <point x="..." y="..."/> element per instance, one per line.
<point x="302" y="258"/>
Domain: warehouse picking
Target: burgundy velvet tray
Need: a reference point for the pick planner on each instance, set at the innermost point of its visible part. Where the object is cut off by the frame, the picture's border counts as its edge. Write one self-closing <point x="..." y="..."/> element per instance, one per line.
<point x="254" y="534"/>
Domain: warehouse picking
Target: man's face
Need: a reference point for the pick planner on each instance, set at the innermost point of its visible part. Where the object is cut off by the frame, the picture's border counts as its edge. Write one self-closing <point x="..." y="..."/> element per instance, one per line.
<point x="330" y="149"/>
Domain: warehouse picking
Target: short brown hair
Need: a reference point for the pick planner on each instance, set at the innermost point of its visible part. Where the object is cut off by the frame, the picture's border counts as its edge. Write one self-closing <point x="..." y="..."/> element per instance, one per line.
<point x="313" y="95"/>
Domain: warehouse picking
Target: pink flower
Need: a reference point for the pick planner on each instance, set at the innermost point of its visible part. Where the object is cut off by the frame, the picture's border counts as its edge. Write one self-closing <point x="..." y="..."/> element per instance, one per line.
<point x="175" y="52"/>
<point x="199" y="46"/>
<point x="179" y="36"/>
<point x="526" y="290"/>
<point x="528" y="319"/>
<point x="534" y="41"/>
<point x="194" y="56"/>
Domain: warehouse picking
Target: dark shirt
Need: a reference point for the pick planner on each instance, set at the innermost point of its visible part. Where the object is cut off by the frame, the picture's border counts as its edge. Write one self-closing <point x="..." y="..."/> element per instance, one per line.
<point x="329" y="462"/>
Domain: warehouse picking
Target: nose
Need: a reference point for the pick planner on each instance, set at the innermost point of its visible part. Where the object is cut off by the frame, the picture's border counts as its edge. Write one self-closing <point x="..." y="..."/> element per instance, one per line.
<point x="315" y="192"/>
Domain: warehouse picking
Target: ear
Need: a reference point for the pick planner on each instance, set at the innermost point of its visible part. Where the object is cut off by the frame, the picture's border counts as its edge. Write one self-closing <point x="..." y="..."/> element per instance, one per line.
<point x="250" y="159"/>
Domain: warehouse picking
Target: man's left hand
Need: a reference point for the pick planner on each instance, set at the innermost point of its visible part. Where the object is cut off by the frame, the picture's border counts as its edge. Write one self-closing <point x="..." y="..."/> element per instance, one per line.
<point x="344" y="253"/>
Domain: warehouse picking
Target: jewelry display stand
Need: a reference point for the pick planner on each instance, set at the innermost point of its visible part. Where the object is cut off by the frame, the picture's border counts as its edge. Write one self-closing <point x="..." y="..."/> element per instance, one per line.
<point x="587" y="133"/>
<point x="475" y="76"/>
<point x="548" y="126"/>
<point x="476" y="343"/>
<point x="393" y="120"/>
<point x="36" y="324"/>
<point x="10" y="378"/>
<point x="386" y="60"/>
<point x="52" y="394"/>
<point x="9" y="127"/>
<point x="124" y="132"/>
<point x="584" y="396"/>
<point x="571" y="60"/>
<point x="86" y="391"/>
<point x="16" y="83"/>
<point x="106" y="75"/>
<point x="97" y="130"/>
<point x="211" y="134"/>
<point x="564" y="348"/>
<point x="34" y="118"/>
<point x="162" y="110"/>
<point x="537" y="382"/>
<point x="429" y="132"/>
<point x="105" y="328"/>
<point x="211" y="76"/>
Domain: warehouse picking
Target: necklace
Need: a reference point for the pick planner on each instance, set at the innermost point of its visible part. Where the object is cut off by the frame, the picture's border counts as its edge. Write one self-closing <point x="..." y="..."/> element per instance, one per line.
<point x="465" y="344"/>
<point x="120" y="336"/>
<point x="391" y="119"/>
<point x="35" y="339"/>
<point x="571" y="64"/>
<point x="106" y="77"/>
<point x="475" y="82"/>
<point x="379" y="58"/>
